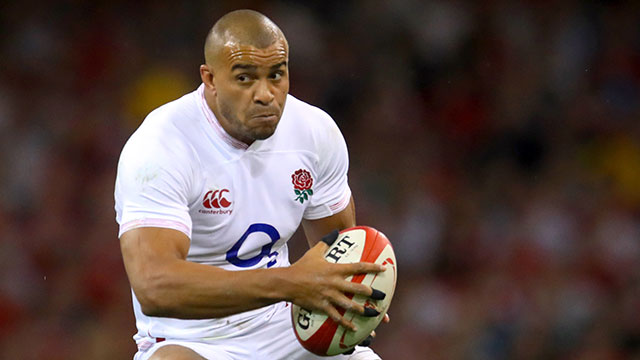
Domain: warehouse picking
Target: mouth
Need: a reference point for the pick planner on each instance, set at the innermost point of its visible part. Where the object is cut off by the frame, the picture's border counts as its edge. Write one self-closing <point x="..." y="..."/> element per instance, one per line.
<point x="266" y="118"/>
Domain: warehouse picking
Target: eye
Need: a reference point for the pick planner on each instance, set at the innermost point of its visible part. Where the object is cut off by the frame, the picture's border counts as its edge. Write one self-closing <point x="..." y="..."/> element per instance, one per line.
<point x="243" y="78"/>
<point x="276" y="75"/>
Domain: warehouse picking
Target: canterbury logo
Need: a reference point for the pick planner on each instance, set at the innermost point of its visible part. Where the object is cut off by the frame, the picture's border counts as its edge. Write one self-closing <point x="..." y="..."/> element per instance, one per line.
<point x="215" y="199"/>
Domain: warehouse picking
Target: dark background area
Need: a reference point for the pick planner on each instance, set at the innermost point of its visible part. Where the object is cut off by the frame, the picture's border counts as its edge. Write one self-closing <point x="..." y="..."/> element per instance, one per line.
<point x="496" y="143"/>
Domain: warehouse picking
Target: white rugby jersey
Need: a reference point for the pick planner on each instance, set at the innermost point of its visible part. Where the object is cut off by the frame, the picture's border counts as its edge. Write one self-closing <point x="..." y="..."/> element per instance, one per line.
<point x="238" y="204"/>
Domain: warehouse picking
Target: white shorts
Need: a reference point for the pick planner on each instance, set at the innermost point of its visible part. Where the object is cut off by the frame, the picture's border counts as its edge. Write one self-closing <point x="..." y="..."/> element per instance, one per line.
<point x="274" y="340"/>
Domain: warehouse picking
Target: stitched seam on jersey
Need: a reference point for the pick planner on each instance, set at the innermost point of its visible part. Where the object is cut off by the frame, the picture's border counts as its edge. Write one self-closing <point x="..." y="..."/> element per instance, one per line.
<point x="216" y="126"/>
<point x="170" y="224"/>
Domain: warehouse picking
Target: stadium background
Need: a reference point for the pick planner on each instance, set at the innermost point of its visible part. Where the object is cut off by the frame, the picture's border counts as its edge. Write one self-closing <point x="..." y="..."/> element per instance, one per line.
<point x="495" y="142"/>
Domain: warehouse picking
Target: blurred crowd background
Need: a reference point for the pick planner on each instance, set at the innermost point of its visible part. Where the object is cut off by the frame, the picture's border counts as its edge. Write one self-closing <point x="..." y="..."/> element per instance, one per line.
<point x="496" y="143"/>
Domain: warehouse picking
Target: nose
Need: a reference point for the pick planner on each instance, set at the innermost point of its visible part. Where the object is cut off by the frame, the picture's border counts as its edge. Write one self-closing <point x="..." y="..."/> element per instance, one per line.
<point x="263" y="93"/>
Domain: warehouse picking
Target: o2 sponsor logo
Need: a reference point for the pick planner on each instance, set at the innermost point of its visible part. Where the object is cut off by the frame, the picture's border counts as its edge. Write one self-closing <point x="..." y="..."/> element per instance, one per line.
<point x="217" y="202"/>
<point x="270" y="231"/>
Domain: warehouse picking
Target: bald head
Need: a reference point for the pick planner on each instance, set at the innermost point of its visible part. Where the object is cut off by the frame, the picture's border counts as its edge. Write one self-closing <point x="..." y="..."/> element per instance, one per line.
<point x="241" y="28"/>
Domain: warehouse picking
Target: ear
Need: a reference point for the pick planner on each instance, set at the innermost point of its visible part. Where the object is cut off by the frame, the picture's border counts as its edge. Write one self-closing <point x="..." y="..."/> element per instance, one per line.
<point x="206" y="74"/>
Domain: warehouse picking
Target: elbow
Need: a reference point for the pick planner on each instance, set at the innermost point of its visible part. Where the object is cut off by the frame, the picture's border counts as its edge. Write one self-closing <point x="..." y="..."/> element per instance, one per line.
<point x="154" y="299"/>
<point x="152" y="307"/>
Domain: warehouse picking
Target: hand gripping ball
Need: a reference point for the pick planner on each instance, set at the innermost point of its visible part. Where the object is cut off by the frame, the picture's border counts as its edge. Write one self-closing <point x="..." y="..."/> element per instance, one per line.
<point x="320" y="334"/>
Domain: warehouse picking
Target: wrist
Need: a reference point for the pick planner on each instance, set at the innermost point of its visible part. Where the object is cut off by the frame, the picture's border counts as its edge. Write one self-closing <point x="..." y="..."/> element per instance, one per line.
<point x="279" y="285"/>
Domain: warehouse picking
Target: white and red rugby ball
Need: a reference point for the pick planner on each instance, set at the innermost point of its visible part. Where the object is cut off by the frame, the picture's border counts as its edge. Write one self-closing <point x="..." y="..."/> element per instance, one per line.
<point x="320" y="334"/>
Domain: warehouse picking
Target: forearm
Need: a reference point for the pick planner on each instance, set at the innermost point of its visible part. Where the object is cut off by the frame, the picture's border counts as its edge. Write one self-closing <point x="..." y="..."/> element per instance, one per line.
<point x="188" y="290"/>
<point x="167" y="285"/>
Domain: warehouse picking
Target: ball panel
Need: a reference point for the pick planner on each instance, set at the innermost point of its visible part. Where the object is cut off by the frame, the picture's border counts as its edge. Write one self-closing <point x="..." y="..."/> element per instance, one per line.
<point x="306" y="322"/>
<point x="372" y="248"/>
<point x="319" y="342"/>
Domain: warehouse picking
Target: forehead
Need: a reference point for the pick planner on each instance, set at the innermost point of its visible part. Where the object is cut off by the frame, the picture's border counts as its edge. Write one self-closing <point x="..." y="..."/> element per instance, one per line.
<point x="234" y="53"/>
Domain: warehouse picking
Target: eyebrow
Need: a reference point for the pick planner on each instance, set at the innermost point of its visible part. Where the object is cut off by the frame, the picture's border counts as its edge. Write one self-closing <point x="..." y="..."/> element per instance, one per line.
<point x="276" y="66"/>
<point x="253" y="67"/>
<point x="243" y="67"/>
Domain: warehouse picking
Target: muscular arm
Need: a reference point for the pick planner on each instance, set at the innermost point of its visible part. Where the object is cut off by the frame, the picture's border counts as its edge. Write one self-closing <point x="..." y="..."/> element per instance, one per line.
<point x="168" y="285"/>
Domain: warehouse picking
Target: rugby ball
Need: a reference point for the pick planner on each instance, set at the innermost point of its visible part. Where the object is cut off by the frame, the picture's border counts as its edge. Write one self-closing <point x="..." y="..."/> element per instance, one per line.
<point x="320" y="334"/>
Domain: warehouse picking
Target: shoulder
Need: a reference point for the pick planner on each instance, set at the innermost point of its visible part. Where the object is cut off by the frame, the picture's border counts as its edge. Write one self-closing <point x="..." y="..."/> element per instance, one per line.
<point x="171" y="119"/>
<point x="309" y="123"/>
<point x="163" y="138"/>
<point x="308" y="115"/>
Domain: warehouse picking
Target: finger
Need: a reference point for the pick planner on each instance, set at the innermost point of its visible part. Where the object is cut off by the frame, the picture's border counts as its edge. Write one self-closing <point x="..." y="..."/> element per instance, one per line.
<point x="347" y="303"/>
<point x="369" y="312"/>
<point x="344" y="302"/>
<point x="361" y="289"/>
<point x="386" y="318"/>
<point x="377" y="294"/>
<point x="326" y="242"/>
<point x="361" y="268"/>
<point x="320" y="247"/>
<point x="330" y="238"/>
<point x="335" y="316"/>
<point x="349" y="287"/>
<point x="318" y="250"/>
<point x="373" y="334"/>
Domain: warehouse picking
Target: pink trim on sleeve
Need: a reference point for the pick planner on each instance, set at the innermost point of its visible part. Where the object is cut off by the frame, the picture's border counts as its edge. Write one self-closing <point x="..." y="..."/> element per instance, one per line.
<point x="342" y="204"/>
<point x="162" y="223"/>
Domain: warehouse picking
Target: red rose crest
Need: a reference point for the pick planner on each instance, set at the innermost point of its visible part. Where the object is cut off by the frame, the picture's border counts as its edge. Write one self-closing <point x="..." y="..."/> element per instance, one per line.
<point x="302" y="182"/>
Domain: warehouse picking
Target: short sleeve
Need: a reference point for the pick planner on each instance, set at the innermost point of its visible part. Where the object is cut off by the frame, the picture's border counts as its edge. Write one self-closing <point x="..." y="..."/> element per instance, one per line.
<point x="331" y="192"/>
<point x="152" y="186"/>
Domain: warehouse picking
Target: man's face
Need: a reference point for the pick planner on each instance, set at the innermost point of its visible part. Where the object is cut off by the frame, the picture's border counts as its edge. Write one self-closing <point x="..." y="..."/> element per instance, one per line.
<point x="251" y="87"/>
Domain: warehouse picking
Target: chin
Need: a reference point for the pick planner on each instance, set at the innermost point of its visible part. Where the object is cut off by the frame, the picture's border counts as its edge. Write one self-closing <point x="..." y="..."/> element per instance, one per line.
<point x="263" y="135"/>
<point x="264" y="132"/>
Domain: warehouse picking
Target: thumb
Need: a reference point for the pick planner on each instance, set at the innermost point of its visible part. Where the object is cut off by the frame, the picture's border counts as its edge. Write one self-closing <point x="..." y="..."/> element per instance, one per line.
<point x="325" y="242"/>
<point x="331" y="237"/>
